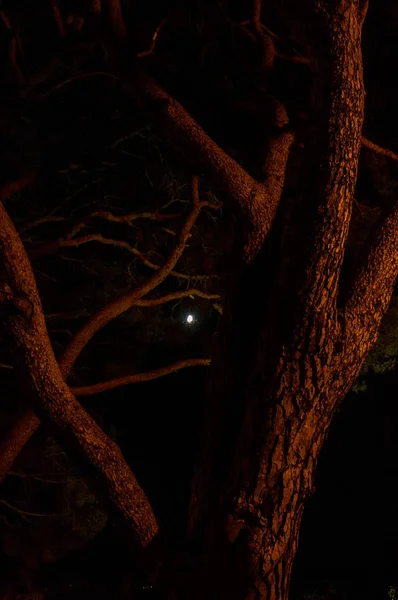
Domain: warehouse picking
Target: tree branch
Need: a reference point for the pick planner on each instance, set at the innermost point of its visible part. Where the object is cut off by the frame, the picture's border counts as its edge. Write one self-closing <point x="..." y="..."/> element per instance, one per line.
<point x="176" y="296"/>
<point x="16" y="438"/>
<point x="258" y="201"/>
<point x="153" y="41"/>
<point x="58" y="18"/>
<point x="19" y="435"/>
<point x="17" y="185"/>
<point x="378" y="149"/>
<point x="50" y="247"/>
<point x="337" y="156"/>
<point x="97" y="388"/>
<point x="24" y="320"/>
<point x="126" y="219"/>
<point x="120" y="305"/>
<point x="373" y="287"/>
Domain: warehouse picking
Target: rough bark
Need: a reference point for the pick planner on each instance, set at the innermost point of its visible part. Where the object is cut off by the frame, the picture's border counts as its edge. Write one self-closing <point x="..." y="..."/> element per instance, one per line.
<point x="258" y="200"/>
<point x="23" y="318"/>
<point x="290" y="386"/>
<point x="289" y="400"/>
<point x="20" y="434"/>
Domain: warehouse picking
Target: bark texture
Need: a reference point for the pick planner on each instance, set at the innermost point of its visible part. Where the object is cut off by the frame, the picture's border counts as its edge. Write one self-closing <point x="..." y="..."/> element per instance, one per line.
<point x="24" y="320"/>
<point x="270" y="405"/>
<point x="291" y="396"/>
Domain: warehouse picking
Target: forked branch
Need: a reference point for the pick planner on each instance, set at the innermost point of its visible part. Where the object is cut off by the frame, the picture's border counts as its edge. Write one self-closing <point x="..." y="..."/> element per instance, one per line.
<point x="24" y="320"/>
<point x="120" y="305"/>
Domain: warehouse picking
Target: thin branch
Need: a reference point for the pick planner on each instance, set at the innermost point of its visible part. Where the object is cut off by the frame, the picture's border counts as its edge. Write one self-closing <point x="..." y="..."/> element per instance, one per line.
<point x="176" y="296"/>
<point x="127" y="219"/>
<point x="35" y="477"/>
<point x="42" y="221"/>
<point x="14" y="45"/>
<point x="28" y="513"/>
<point x="153" y="41"/>
<point x="69" y="80"/>
<point x="50" y="247"/>
<point x="57" y="17"/>
<point x="257" y="5"/>
<point x="378" y="149"/>
<point x="17" y="185"/>
<point x="120" y="305"/>
<point x="97" y="388"/>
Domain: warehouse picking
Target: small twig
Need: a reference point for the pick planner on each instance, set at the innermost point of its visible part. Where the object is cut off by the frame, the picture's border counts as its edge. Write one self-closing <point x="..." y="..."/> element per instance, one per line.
<point x="50" y="247"/>
<point x="97" y="388"/>
<point x="35" y="477"/>
<point x="127" y="219"/>
<point x="378" y="149"/>
<point x="14" y="45"/>
<point x="57" y="17"/>
<point x="42" y="221"/>
<point x="190" y="293"/>
<point x="28" y="513"/>
<point x="70" y="80"/>
<point x="153" y="41"/>
<point x="123" y="303"/>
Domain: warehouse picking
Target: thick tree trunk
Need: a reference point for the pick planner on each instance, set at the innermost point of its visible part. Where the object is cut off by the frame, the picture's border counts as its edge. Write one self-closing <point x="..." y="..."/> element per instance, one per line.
<point x="290" y="392"/>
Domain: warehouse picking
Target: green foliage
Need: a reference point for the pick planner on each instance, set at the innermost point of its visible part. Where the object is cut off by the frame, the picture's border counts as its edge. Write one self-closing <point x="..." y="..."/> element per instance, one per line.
<point x="392" y="593"/>
<point x="384" y="356"/>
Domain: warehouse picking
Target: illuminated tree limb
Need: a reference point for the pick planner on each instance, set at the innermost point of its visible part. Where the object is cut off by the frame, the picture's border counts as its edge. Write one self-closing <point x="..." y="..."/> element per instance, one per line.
<point x="176" y="296"/>
<point x="24" y="320"/>
<point x="97" y="388"/>
<point x="373" y="287"/>
<point x="378" y="149"/>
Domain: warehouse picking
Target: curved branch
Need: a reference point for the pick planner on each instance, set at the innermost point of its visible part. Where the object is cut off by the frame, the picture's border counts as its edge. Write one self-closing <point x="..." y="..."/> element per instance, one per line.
<point x="97" y="388"/>
<point x="28" y="423"/>
<point x="17" y="185"/>
<point x="153" y="41"/>
<point x="24" y="320"/>
<point x="257" y="201"/>
<point x="27" y="513"/>
<point x="176" y="296"/>
<point x="50" y="247"/>
<point x="127" y="219"/>
<point x="58" y="18"/>
<point x="120" y="305"/>
<point x="378" y="149"/>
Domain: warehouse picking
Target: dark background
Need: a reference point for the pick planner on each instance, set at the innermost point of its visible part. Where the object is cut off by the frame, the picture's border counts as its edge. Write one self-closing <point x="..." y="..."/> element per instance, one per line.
<point x="349" y="534"/>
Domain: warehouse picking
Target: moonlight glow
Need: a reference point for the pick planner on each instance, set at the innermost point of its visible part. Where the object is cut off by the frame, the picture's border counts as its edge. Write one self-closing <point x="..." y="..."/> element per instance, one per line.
<point x="190" y="319"/>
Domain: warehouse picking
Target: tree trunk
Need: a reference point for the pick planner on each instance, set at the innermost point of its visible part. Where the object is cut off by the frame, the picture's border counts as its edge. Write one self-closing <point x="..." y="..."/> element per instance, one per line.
<point x="296" y="377"/>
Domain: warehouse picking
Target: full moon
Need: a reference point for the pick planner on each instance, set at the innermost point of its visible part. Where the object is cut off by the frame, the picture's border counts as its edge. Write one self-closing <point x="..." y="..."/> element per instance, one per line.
<point x="189" y="319"/>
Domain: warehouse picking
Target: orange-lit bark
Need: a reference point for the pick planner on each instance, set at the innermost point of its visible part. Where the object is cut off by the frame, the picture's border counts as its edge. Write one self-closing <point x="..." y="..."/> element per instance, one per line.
<point x="44" y="383"/>
<point x="270" y="406"/>
<point x="294" y="386"/>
